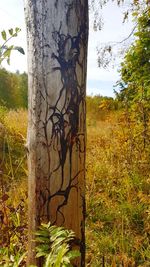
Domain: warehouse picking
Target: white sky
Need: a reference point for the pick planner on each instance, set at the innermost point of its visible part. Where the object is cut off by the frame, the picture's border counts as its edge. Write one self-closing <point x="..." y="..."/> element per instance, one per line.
<point x="100" y="81"/>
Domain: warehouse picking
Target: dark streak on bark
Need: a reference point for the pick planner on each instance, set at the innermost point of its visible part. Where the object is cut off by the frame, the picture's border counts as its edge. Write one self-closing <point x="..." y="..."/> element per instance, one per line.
<point x="68" y="7"/>
<point x="56" y="3"/>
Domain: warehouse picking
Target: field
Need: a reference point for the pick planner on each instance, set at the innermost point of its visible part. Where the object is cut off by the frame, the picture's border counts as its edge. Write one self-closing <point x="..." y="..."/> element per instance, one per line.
<point x="117" y="188"/>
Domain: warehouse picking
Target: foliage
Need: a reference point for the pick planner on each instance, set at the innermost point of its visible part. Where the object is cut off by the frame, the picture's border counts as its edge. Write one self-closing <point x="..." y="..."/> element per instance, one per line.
<point x="108" y="53"/>
<point x="9" y="260"/>
<point x="54" y="244"/>
<point x="13" y="223"/>
<point x="12" y="152"/>
<point x="98" y="107"/>
<point x="135" y="82"/>
<point x="13" y="206"/>
<point x="135" y="67"/>
<point x="5" y="49"/>
<point x="118" y="172"/>
<point x="118" y="186"/>
<point x="118" y="155"/>
<point x="13" y="89"/>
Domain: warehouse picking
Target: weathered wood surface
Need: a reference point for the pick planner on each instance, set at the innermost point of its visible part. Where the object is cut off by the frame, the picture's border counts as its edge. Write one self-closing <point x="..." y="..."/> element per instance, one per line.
<point x="57" y="33"/>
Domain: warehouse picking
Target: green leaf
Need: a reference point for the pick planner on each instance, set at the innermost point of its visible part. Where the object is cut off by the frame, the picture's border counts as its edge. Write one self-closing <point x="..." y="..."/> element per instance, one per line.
<point x="43" y="247"/>
<point x="40" y="254"/>
<point x="7" y="52"/>
<point x="54" y="245"/>
<point x="19" y="49"/>
<point x="42" y="233"/>
<point x="73" y="254"/>
<point x="17" y="29"/>
<point x="58" y="241"/>
<point x="8" y="60"/>
<point x="62" y="251"/>
<point x="4" y="35"/>
<point x="42" y="239"/>
<point x="11" y="31"/>
<point x="48" y="262"/>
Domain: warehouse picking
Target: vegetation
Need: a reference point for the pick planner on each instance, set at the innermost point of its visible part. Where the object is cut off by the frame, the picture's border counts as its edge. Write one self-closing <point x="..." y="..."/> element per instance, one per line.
<point x="118" y="186"/>
<point x="5" y="48"/>
<point x="135" y="82"/>
<point x="118" y="205"/>
<point x="54" y="244"/>
<point x="53" y="248"/>
<point x="118" y="171"/>
<point x="13" y="89"/>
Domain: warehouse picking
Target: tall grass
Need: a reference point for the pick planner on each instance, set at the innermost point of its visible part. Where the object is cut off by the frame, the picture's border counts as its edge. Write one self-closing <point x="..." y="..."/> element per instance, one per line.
<point x="117" y="190"/>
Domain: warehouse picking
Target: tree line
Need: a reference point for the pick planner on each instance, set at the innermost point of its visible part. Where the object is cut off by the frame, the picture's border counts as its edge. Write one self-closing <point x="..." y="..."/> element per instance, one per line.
<point x="13" y="89"/>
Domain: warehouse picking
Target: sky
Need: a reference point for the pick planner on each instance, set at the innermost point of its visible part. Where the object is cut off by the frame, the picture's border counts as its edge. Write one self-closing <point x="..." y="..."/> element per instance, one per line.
<point x="99" y="81"/>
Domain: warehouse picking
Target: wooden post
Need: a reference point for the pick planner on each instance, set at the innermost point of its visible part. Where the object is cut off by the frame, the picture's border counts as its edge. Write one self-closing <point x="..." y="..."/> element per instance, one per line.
<point x="57" y="36"/>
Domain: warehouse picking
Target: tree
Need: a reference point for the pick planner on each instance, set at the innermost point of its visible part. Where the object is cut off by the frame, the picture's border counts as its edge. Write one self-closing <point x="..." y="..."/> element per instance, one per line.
<point x="135" y="82"/>
<point x="10" y="91"/>
<point x="136" y="64"/>
<point x="23" y="89"/>
<point x="6" y="90"/>
<point x="57" y="57"/>
<point x="106" y="52"/>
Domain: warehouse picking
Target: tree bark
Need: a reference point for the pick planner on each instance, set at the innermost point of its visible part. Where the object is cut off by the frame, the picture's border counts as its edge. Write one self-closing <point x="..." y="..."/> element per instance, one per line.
<point x="57" y="36"/>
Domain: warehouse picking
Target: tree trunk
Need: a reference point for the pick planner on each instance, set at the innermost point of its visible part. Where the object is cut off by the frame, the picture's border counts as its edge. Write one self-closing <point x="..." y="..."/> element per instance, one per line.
<point x="57" y="33"/>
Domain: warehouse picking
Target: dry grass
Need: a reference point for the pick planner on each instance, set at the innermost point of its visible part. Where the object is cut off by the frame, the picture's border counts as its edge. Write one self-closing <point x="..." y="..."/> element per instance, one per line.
<point x="16" y="121"/>
<point x="118" y="186"/>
